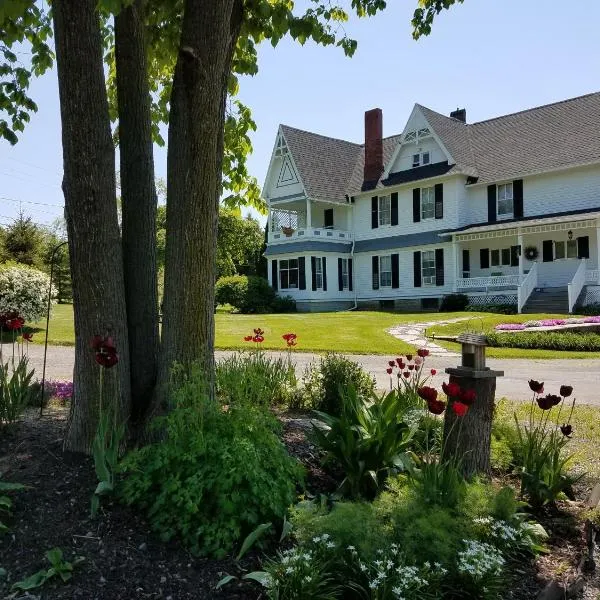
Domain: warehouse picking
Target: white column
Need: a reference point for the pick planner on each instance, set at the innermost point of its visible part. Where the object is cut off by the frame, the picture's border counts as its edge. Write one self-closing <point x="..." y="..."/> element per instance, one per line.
<point x="521" y="254"/>
<point x="457" y="265"/>
<point x="598" y="250"/>
<point x="308" y="215"/>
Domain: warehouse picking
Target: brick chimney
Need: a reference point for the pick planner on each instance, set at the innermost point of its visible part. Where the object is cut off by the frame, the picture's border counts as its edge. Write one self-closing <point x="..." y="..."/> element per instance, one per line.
<point x="460" y="114"/>
<point x="373" y="144"/>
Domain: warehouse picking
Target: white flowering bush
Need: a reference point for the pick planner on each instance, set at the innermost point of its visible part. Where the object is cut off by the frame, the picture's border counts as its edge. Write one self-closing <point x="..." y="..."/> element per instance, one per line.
<point x="23" y="292"/>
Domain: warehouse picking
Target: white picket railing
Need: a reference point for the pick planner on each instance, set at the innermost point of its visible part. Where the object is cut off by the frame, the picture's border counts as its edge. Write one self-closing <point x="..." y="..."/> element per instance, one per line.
<point x="319" y="233"/>
<point x="469" y="283"/>
<point x="576" y="284"/>
<point x="592" y="276"/>
<point x="526" y="287"/>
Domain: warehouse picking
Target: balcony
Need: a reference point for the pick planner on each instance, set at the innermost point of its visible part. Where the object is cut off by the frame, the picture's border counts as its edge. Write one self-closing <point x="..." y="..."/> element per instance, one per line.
<point x="312" y="233"/>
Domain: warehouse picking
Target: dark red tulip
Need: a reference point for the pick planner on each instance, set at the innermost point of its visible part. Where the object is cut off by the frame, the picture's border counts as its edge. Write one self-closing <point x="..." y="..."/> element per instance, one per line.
<point x="452" y="390"/>
<point x="409" y="357"/>
<point x="259" y="331"/>
<point x="105" y="351"/>
<point x="411" y="367"/>
<point x="423" y="352"/>
<point x="436" y="407"/>
<point x="392" y="363"/>
<point x="548" y="401"/>
<point x="248" y="338"/>
<point x="388" y="371"/>
<point x="433" y="371"/>
<point x="406" y="374"/>
<point x="467" y="397"/>
<point x="536" y="387"/>
<point x="566" y="390"/>
<point x="566" y="430"/>
<point x="428" y="394"/>
<point x="28" y="336"/>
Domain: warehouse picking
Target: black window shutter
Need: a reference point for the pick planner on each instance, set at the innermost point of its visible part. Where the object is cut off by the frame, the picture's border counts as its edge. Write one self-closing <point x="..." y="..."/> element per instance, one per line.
<point x="302" y="273"/>
<point x="274" y="282"/>
<point x="583" y="247"/>
<point x="439" y="200"/>
<point x="466" y="261"/>
<point x="394" y="210"/>
<point x="417" y="268"/>
<point x="547" y="251"/>
<point x="439" y="266"/>
<point x="350" y="274"/>
<point x="324" y="266"/>
<point x="492" y="203"/>
<point x="374" y="212"/>
<point x="313" y="272"/>
<point x="518" y="198"/>
<point x="416" y="205"/>
<point x="340" y="277"/>
<point x="484" y="258"/>
<point x="395" y="271"/>
<point x="375" y="263"/>
<point x="328" y="217"/>
<point x="514" y="256"/>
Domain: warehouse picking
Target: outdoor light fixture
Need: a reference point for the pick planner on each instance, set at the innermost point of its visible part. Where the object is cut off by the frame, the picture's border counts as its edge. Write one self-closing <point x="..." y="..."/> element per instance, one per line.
<point x="570" y="235"/>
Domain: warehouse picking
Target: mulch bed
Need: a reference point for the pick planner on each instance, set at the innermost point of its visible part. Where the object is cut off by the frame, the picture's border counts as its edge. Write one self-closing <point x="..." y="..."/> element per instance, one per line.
<point x="123" y="559"/>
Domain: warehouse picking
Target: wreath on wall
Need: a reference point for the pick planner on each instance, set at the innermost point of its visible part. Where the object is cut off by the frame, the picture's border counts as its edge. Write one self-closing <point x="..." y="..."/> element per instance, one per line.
<point x="531" y="253"/>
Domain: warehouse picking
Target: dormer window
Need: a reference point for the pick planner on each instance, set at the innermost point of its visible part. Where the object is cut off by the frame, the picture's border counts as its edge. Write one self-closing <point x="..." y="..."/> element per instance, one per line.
<point x="421" y="159"/>
<point x="505" y="199"/>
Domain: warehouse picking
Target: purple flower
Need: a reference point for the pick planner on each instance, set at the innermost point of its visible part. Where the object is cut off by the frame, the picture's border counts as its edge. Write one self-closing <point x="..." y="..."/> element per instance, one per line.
<point x="509" y="327"/>
<point x="592" y="319"/>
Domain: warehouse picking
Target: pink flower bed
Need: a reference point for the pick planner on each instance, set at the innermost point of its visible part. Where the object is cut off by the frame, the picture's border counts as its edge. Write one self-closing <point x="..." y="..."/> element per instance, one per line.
<point x="546" y="323"/>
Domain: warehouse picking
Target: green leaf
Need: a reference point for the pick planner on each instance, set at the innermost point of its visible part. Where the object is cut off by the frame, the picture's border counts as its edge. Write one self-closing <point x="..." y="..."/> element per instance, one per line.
<point x="261" y="577"/>
<point x="252" y="538"/>
<point x="224" y="581"/>
<point x="33" y="581"/>
<point x="103" y="488"/>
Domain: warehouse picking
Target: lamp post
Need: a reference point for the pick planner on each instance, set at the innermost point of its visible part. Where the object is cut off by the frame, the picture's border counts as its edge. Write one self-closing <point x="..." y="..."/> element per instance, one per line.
<point x="52" y="257"/>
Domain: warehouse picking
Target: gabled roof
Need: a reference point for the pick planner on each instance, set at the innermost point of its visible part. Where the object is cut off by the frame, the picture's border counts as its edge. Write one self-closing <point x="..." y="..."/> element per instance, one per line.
<point x="555" y="136"/>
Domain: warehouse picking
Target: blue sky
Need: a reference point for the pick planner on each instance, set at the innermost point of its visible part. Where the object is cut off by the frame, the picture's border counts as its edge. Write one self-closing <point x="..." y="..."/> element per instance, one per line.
<point x="492" y="57"/>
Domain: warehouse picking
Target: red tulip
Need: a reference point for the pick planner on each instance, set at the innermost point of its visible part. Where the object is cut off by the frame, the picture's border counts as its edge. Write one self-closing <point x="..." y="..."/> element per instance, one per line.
<point x="452" y="390"/>
<point x="433" y="371"/>
<point x="248" y="338"/>
<point x="105" y="351"/>
<point x="467" y="397"/>
<point x="428" y="394"/>
<point x="28" y="336"/>
<point x="460" y="409"/>
<point x="436" y="407"/>
<point x="388" y="371"/>
<point x="291" y="342"/>
<point x="536" y="387"/>
<point x="423" y="352"/>
<point x="286" y="336"/>
<point x="566" y="390"/>
<point x="258" y="338"/>
<point x="15" y="323"/>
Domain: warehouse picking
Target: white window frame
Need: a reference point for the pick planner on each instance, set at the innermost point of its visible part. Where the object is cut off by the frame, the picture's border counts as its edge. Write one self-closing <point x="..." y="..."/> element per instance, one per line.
<point x="428" y="256"/>
<point x="427" y="200"/>
<point x="289" y="269"/>
<point x="387" y="282"/>
<point x="572" y="244"/>
<point x="384" y="205"/>
<point x="319" y="272"/>
<point x="345" y="274"/>
<point x="418" y="159"/>
<point x="505" y="195"/>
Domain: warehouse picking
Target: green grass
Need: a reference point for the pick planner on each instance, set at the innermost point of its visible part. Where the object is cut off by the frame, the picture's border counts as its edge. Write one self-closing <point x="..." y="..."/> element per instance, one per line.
<point x="586" y="431"/>
<point x="486" y="322"/>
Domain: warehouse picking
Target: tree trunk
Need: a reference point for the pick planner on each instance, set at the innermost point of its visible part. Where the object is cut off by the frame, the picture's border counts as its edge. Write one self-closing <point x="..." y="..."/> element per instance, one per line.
<point x="209" y="34"/>
<point x="469" y="438"/>
<point x="138" y="202"/>
<point x="91" y="215"/>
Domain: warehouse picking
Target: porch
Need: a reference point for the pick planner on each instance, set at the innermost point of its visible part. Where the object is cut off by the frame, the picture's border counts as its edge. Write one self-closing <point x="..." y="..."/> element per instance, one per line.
<point x="516" y="259"/>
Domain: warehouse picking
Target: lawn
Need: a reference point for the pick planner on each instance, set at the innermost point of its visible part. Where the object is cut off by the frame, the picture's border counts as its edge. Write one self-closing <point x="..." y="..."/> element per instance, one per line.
<point x="362" y="332"/>
<point x="486" y="322"/>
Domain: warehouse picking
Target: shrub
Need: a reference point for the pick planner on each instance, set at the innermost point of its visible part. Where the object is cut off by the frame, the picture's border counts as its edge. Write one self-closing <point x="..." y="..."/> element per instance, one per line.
<point x="246" y="293"/>
<point x="283" y="304"/>
<point x="23" y="291"/>
<point x="369" y="441"/>
<point x="588" y="310"/>
<point x="217" y="473"/>
<point x="547" y="340"/>
<point x="324" y="384"/>
<point x="256" y="379"/>
<point x="501" y="309"/>
<point x="454" y="303"/>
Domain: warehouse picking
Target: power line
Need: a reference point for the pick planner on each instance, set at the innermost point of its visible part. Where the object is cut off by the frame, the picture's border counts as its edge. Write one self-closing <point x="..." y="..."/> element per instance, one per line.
<point x="30" y="202"/>
<point x="28" y="164"/>
<point x="41" y="183"/>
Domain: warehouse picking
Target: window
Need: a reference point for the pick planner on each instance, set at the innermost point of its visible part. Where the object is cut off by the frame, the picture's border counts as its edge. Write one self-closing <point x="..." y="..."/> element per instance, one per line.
<point x="495" y="258"/>
<point x="427" y="203"/>
<point x="288" y="274"/>
<point x="506" y="257"/>
<point x="505" y="199"/>
<point x="385" y="271"/>
<point x="385" y="210"/>
<point x="319" y="272"/>
<point x="559" y="250"/>
<point x="421" y="158"/>
<point x="428" y="267"/>
<point x="571" y="248"/>
<point x="345" y="279"/>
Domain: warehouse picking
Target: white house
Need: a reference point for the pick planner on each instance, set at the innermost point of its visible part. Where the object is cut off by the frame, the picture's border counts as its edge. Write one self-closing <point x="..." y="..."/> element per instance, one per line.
<point x="504" y="210"/>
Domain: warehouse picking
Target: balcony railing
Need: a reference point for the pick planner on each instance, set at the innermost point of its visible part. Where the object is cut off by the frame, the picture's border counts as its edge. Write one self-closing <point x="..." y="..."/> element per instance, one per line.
<point x="312" y="233"/>
<point x="498" y="281"/>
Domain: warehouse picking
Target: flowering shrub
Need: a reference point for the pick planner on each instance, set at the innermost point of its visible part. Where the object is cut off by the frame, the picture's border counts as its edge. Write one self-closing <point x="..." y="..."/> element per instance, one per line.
<point x="23" y="292"/>
<point x="510" y="327"/>
<point x="546" y="323"/>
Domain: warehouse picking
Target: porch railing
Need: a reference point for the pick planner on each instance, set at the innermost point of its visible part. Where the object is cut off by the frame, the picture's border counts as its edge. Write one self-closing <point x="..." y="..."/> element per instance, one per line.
<point x="576" y="284"/>
<point x="592" y="276"/>
<point x="526" y="287"/>
<point x="498" y="281"/>
<point x="319" y="233"/>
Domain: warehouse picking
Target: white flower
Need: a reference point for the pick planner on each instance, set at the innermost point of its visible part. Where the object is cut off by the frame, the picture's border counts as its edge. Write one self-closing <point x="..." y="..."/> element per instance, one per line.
<point x="307" y="579"/>
<point x="289" y="570"/>
<point x="373" y="584"/>
<point x="362" y="566"/>
<point x="351" y="548"/>
<point x="330" y="545"/>
<point x="24" y="290"/>
<point x="316" y="539"/>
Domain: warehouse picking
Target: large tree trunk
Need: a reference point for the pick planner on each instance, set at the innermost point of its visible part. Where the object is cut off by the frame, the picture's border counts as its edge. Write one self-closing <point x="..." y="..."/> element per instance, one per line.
<point x="138" y="195"/>
<point x="209" y="34"/>
<point x="91" y="215"/>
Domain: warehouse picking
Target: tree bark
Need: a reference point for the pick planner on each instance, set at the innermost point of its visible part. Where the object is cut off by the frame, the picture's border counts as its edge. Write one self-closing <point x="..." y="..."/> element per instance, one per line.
<point x="469" y="438"/>
<point x="209" y="33"/>
<point x="138" y="196"/>
<point x="91" y="216"/>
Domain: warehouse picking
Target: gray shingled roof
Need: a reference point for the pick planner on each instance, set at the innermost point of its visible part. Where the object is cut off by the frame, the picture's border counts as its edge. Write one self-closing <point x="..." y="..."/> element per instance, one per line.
<point x="560" y="135"/>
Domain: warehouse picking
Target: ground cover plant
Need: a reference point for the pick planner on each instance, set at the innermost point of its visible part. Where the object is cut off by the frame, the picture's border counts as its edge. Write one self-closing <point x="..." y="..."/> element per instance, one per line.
<point x="547" y="340"/>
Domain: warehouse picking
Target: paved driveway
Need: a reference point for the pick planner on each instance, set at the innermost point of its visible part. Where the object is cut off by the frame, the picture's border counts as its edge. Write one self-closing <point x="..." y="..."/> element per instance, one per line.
<point x="583" y="375"/>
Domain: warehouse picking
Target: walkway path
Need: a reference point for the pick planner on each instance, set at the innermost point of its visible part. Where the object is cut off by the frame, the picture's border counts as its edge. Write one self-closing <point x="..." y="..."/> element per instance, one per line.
<point x="414" y="334"/>
<point x="583" y="375"/>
